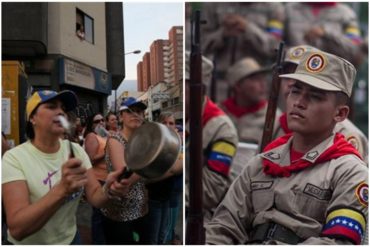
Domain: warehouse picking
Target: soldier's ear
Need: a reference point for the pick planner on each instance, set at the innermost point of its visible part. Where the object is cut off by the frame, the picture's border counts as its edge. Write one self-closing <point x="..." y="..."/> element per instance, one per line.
<point x="341" y="113"/>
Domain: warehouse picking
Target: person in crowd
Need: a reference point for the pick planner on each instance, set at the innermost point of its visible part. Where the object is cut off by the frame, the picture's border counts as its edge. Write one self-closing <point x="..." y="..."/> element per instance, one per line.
<point x="44" y="178"/>
<point x="351" y="133"/>
<point x="95" y="149"/>
<point x="329" y="26"/>
<point x="125" y="220"/>
<point x="308" y="187"/>
<point x="175" y="198"/>
<point x="111" y="122"/>
<point x="220" y="140"/>
<point x="237" y="30"/>
<point x="247" y="106"/>
<point x="159" y="194"/>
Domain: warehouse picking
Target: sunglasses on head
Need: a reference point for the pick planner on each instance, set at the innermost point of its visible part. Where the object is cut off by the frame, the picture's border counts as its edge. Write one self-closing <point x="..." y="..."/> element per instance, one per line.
<point x="98" y="120"/>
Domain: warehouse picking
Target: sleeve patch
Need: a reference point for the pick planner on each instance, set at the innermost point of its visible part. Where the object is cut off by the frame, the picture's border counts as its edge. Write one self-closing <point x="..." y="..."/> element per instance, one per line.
<point x="353" y="33"/>
<point x="362" y="193"/>
<point x="220" y="157"/>
<point x="275" y="27"/>
<point x="347" y="223"/>
<point x="224" y="148"/>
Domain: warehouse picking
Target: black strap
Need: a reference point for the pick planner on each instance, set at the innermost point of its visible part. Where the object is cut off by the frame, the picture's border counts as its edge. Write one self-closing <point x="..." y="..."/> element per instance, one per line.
<point x="274" y="231"/>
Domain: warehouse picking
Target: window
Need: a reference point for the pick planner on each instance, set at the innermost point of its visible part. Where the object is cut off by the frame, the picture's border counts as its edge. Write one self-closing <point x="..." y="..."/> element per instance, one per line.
<point x="84" y="26"/>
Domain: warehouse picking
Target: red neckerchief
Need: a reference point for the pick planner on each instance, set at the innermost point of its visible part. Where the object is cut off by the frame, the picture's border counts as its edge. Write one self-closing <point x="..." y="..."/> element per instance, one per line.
<point x="239" y="111"/>
<point x="339" y="148"/>
<point x="211" y="110"/>
<point x="317" y="7"/>
<point x="284" y="123"/>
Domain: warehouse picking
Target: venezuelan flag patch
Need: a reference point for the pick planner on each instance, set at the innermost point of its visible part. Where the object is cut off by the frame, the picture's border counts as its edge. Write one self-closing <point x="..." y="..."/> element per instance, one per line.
<point x="353" y="33"/>
<point x="275" y="27"/>
<point x="220" y="157"/>
<point x="346" y="223"/>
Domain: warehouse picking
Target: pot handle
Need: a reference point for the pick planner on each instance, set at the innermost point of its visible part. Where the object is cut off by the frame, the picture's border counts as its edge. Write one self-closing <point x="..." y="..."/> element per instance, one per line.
<point x="126" y="173"/>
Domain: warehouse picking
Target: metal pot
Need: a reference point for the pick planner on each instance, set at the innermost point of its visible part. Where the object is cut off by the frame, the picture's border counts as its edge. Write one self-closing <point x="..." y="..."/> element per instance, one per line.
<point x="152" y="149"/>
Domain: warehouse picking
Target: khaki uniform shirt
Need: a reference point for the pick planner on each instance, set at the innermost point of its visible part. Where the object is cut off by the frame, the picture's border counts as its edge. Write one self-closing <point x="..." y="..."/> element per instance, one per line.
<point x="255" y="42"/>
<point x="250" y="126"/>
<point x="351" y="133"/>
<point x="300" y="202"/>
<point x="339" y="23"/>
<point x="215" y="185"/>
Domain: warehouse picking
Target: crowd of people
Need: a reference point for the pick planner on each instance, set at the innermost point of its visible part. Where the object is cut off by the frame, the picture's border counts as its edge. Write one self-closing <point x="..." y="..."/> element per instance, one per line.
<point x="309" y="185"/>
<point x="45" y="178"/>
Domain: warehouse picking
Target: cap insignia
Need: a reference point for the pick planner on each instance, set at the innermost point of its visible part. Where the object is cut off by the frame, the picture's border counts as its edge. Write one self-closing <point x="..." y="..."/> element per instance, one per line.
<point x="315" y="63"/>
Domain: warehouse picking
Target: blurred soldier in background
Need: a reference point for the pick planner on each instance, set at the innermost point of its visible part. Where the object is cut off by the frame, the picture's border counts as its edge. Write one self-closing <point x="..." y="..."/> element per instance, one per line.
<point x="331" y="27"/>
<point x="248" y="105"/>
<point x="219" y="145"/>
<point x="237" y="30"/>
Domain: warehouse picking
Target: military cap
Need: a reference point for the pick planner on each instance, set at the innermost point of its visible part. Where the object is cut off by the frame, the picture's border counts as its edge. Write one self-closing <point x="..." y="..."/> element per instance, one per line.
<point x="295" y="53"/>
<point x="207" y="68"/>
<point x="244" y="68"/>
<point x="325" y="71"/>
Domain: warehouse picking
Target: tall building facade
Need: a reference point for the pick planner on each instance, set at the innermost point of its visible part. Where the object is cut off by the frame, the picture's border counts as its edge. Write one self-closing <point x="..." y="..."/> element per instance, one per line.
<point x="166" y="74"/>
<point x="147" y="75"/>
<point x="77" y="46"/>
<point x="139" y="72"/>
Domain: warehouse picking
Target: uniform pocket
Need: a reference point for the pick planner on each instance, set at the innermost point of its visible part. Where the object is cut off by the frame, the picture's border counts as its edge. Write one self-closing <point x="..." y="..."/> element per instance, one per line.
<point x="262" y="200"/>
<point x="310" y="206"/>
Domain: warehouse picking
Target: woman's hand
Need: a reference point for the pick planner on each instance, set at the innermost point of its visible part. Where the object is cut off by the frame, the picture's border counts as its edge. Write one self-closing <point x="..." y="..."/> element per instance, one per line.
<point x="115" y="187"/>
<point x="74" y="176"/>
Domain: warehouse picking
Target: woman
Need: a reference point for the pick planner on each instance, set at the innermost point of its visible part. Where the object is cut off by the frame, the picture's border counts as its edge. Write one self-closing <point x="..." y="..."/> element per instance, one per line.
<point x="42" y="181"/>
<point x="124" y="221"/>
<point x="111" y="122"/>
<point x="160" y="195"/>
<point x="95" y="149"/>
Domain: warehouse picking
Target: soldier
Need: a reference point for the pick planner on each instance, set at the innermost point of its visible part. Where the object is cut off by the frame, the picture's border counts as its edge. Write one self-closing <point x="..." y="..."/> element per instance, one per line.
<point x="351" y="133"/>
<point x="237" y="30"/>
<point x="219" y="145"/>
<point x="331" y="27"/>
<point x="247" y="106"/>
<point x="308" y="187"/>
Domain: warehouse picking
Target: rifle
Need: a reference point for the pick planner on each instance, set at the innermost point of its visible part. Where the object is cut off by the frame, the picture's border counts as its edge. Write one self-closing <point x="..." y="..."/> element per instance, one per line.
<point x="195" y="233"/>
<point x="273" y="100"/>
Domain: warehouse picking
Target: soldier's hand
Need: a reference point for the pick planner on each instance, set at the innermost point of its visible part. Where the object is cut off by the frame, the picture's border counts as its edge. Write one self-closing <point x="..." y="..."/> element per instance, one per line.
<point x="234" y="24"/>
<point x="313" y="34"/>
<point x="74" y="176"/>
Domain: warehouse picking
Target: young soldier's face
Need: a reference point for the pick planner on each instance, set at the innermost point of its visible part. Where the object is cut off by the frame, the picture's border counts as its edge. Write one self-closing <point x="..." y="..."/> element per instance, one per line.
<point x="311" y="111"/>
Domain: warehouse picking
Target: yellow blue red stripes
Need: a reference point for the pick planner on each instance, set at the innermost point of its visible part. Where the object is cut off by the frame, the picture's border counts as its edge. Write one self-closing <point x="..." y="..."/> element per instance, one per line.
<point x="220" y="157"/>
<point x="354" y="34"/>
<point x="345" y="223"/>
<point x="275" y="27"/>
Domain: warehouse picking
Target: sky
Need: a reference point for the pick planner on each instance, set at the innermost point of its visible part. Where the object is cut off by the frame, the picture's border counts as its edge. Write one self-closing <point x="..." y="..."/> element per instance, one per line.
<point x="144" y="23"/>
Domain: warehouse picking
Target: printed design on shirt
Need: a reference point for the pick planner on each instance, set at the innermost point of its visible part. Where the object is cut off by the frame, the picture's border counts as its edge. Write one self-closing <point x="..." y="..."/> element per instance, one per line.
<point x="47" y="180"/>
<point x="220" y="157"/>
<point x="346" y="223"/>
<point x="353" y="141"/>
<point x="261" y="185"/>
<point x="312" y="155"/>
<point x="272" y="156"/>
<point x="362" y="193"/>
<point x="315" y="63"/>
<point x="317" y="192"/>
<point x="353" y="33"/>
